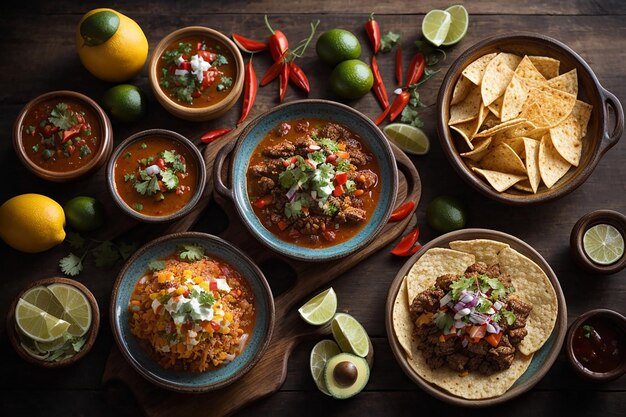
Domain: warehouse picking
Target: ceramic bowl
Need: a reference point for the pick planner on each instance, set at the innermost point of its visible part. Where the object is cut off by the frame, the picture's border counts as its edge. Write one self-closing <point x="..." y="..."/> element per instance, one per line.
<point x="211" y="110"/>
<point x="241" y="151"/>
<point x="542" y="360"/>
<point x="176" y="140"/>
<point x="618" y="323"/>
<point x="600" y="137"/>
<point x="90" y="337"/>
<point x="613" y="218"/>
<point x="135" y="353"/>
<point x="29" y="152"/>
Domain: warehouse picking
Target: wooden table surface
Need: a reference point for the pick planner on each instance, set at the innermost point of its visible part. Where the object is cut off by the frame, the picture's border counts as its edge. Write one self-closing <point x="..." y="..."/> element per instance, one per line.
<point x="38" y="50"/>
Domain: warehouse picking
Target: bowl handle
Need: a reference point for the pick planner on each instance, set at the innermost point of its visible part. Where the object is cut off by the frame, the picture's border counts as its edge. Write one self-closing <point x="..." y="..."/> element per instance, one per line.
<point x="220" y="187"/>
<point x="609" y="140"/>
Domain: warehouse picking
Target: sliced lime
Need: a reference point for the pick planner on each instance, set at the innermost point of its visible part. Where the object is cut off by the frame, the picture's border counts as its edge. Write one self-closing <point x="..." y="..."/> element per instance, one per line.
<point x="77" y="309"/>
<point x="320" y="354"/>
<point x="603" y="243"/>
<point x="409" y="138"/>
<point x="320" y="309"/>
<point x="458" y="26"/>
<point x="37" y="324"/>
<point x="436" y="25"/>
<point x="350" y="334"/>
<point x="43" y="298"/>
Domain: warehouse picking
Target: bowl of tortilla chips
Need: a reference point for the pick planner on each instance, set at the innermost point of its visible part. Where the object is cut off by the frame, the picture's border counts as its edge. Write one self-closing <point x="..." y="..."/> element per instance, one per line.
<point x="523" y="118"/>
<point x="529" y="279"/>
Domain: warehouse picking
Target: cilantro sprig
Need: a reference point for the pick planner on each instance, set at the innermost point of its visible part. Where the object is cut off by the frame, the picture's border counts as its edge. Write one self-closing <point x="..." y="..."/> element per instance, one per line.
<point x="190" y="252"/>
<point x="105" y="253"/>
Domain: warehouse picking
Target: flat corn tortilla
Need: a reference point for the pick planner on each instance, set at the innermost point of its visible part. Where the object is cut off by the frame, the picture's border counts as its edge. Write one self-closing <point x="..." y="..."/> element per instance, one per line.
<point x="402" y="325"/>
<point x="484" y="250"/>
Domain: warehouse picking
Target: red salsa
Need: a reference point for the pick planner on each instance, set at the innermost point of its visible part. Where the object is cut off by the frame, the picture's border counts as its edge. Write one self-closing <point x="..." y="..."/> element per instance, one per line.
<point x="196" y="72"/>
<point x="60" y="136"/>
<point x="599" y="345"/>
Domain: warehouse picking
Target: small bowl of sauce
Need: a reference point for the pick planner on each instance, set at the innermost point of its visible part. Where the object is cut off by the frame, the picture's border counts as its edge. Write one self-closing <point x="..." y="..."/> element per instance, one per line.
<point x="596" y="345"/>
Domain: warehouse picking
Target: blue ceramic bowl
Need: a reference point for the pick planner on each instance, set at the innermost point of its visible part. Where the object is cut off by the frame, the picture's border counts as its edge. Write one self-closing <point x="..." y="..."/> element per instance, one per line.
<point x="182" y="381"/>
<point x="241" y="151"/>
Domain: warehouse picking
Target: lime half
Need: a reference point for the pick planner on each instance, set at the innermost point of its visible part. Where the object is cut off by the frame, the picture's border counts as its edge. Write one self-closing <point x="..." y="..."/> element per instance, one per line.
<point x="320" y="354"/>
<point x="409" y="138"/>
<point x="350" y="335"/>
<point x="604" y="244"/>
<point x="436" y="25"/>
<point x="320" y="309"/>
<point x="458" y="26"/>
<point x="37" y="324"/>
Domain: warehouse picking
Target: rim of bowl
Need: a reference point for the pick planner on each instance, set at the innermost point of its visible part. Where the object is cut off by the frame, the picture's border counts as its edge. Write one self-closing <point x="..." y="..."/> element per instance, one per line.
<point x="91" y="334"/>
<point x="278" y="245"/>
<point x="104" y="151"/>
<point x="607" y="314"/>
<point x="446" y="137"/>
<point x="559" y="331"/>
<point x="269" y="301"/>
<point x="164" y="133"/>
<point x="179" y="110"/>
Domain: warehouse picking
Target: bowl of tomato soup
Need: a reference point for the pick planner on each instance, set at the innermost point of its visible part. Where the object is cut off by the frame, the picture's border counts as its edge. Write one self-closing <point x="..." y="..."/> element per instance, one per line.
<point x="196" y="73"/>
<point x="156" y="175"/>
<point x="62" y="135"/>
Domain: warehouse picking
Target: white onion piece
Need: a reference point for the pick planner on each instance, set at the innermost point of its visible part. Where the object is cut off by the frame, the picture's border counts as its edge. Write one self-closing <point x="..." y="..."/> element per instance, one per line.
<point x="491" y="311"/>
<point x="459" y="324"/>
<point x="490" y="328"/>
<point x="466" y="298"/>
<point x="497" y="305"/>
<point x="462" y="313"/>
<point x="153" y="170"/>
<point x="445" y="299"/>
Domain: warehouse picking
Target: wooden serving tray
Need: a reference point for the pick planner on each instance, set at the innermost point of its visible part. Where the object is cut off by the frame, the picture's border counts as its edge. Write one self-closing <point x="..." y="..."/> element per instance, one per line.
<point x="270" y="372"/>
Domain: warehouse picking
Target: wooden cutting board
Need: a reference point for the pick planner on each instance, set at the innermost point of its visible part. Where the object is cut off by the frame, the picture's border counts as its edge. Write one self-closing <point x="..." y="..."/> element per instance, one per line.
<point x="270" y="372"/>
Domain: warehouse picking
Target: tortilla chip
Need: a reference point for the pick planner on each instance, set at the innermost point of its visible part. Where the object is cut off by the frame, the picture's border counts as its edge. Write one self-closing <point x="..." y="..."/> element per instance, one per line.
<point x="567" y="82"/>
<point x="503" y="158"/>
<point x="514" y="97"/>
<point x="533" y="285"/>
<point x="432" y="264"/>
<point x="520" y="129"/>
<point x="461" y="89"/>
<point x="566" y="140"/>
<point x="531" y="151"/>
<point x="475" y="71"/>
<point x="496" y="107"/>
<point x="552" y="166"/>
<point x="582" y="113"/>
<point x="523" y="186"/>
<point x="467" y="109"/>
<point x="498" y="75"/>
<point x="527" y="70"/>
<point x="468" y="129"/>
<point x="555" y="105"/>
<point x="401" y="318"/>
<point x="516" y="143"/>
<point x="481" y="148"/>
<point x="500" y="181"/>
<point x="548" y="67"/>
<point x="533" y="113"/>
<point x="490" y="121"/>
<point x="499" y="128"/>
<point x="485" y="250"/>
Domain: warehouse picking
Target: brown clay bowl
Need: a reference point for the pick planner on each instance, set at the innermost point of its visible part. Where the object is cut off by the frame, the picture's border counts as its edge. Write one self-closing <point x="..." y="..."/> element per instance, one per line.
<point x="600" y="137"/>
<point x="101" y="125"/>
<point x="618" y="323"/>
<point x="175" y="107"/>
<point x="90" y="336"/>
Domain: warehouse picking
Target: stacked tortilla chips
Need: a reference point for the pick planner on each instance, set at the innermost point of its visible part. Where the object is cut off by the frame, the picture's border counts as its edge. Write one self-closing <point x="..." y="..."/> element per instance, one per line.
<point x="521" y="121"/>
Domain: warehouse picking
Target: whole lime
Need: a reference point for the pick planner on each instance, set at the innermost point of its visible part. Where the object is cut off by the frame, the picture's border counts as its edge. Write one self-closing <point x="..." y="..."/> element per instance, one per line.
<point x="446" y="213"/>
<point x="351" y="79"/>
<point x="84" y="214"/>
<point x="337" y="45"/>
<point x="125" y="102"/>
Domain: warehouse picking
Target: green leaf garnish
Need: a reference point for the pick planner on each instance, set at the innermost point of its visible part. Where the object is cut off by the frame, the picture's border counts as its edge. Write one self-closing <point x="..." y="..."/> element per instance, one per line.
<point x="191" y="252"/>
<point x="170" y="180"/>
<point x="62" y="117"/>
<point x="71" y="265"/>
<point x="588" y="331"/>
<point x="156" y="265"/>
<point x="388" y="41"/>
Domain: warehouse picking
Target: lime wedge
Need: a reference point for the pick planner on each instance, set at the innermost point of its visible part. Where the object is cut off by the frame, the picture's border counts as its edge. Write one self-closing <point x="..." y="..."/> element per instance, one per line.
<point x="409" y="138"/>
<point x="43" y="298"/>
<point x="458" y="26"/>
<point x="350" y="335"/>
<point x="604" y="244"/>
<point x="320" y="354"/>
<point x="436" y="25"/>
<point x="76" y="307"/>
<point x="37" y="324"/>
<point x="320" y="309"/>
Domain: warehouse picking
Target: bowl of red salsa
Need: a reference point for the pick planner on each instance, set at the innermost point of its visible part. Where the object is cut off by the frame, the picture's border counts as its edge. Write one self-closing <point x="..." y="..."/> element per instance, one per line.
<point x="196" y="73"/>
<point x="596" y="345"/>
<point x="62" y="135"/>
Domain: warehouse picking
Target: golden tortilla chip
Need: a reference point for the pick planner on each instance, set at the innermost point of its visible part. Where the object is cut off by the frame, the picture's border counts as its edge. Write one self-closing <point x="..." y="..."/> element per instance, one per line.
<point x="503" y="158"/>
<point x="499" y="128"/>
<point x="481" y="148"/>
<point x="498" y="75"/>
<point x="514" y="97"/>
<point x="500" y="181"/>
<point x="582" y="113"/>
<point x="523" y="186"/>
<point x="475" y="71"/>
<point x="461" y="89"/>
<point x="548" y="67"/>
<point x="484" y="250"/>
<point x="533" y="113"/>
<point x="567" y="82"/>
<point x="554" y="105"/>
<point x="401" y="318"/>
<point x="531" y="152"/>
<point x="527" y="70"/>
<point x="468" y="129"/>
<point x="516" y="143"/>
<point x="552" y="166"/>
<point x="531" y="283"/>
<point x="566" y="140"/>
<point x="520" y="129"/>
<point x="466" y="109"/>
<point x="496" y="107"/>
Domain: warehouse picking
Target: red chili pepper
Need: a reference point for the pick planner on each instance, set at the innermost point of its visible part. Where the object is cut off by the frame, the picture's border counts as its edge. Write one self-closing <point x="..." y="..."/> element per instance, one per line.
<point x="382" y="116"/>
<point x="272" y="72"/>
<point x="277" y="42"/>
<point x="249" y="91"/>
<point x="401" y="212"/>
<point x="284" y="80"/>
<point x="248" y="45"/>
<point x="407" y="243"/>
<point x="379" y="86"/>
<point x="211" y="135"/>
<point x="399" y="103"/>
<point x="399" y="65"/>
<point x="298" y="77"/>
<point x="71" y="133"/>
<point x="373" y="32"/>
<point x="416" y="69"/>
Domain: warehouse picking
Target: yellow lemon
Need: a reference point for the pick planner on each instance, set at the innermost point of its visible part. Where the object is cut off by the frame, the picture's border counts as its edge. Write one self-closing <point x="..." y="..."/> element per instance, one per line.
<point x="32" y="223"/>
<point x="111" y="45"/>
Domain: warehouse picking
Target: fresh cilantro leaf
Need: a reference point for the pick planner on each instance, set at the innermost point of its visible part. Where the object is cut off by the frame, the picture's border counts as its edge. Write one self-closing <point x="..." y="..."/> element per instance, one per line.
<point x="174" y="159"/>
<point x="156" y="265"/>
<point x="588" y="331"/>
<point x="293" y="210"/>
<point x="30" y="130"/>
<point x="35" y="148"/>
<point x="483" y="305"/>
<point x="225" y="83"/>
<point x="388" y="41"/>
<point x="75" y="240"/>
<point x="442" y="320"/>
<point x="77" y="343"/>
<point x="286" y="179"/>
<point x="172" y="55"/>
<point x="126" y="249"/>
<point x="170" y="180"/>
<point x="62" y="117"/>
<point x="191" y="252"/>
<point x="129" y="177"/>
<point x="206" y="298"/>
<point x="343" y="165"/>
<point x="410" y="116"/>
<point x="350" y="186"/>
<point x="71" y="265"/>
<point x="106" y="254"/>
<point x="509" y="316"/>
<point x="84" y="151"/>
<point x="459" y="285"/>
<point x="330" y="209"/>
<point x="317" y="157"/>
<point x="148" y="187"/>
<point x="127" y="155"/>
<point x="169" y="156"/>
<point x="143" y="146"/>
<point x="219" y="60"/>
<point x="330" y="145"/>
<point x="138" y="206"/>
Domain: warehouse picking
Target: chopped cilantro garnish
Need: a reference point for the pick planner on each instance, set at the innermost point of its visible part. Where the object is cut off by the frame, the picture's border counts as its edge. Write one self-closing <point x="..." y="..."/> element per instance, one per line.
<point x="138" y="206"/>
<point x="106" y="254"/>
<point x="127" y="155"/>
<point x="206" y="298"/>
<point x="129" y="177"/>
<point x="461" y="284"/>
<point x="225" y="83"/>
<point x="143" y="146"/>
<point x="147" y="187"/>
<point x="293" y="210"/>
<point x="156" y="265"/>
<point x="71" y="265"/>
<point x="170" y="180"/>
<point x="30" y="130"/>
<point x="443" y="320"/>
<point x="84" y="151"/>
<point x="35" y="148"/>
<point x="388" y="41"/>
<point x="219" y="60"/>
<point x="330" y="145"/>
<point x="190" y="252"/>
<point x="174" y="159"/>
<point x="588" y="331"/>
<point x="62" y="117"/>
<point x="173" y="54"/>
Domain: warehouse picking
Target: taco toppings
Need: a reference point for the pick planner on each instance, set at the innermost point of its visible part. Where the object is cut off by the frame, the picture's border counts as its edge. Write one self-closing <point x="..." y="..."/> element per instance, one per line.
<point x="470" y="322"/>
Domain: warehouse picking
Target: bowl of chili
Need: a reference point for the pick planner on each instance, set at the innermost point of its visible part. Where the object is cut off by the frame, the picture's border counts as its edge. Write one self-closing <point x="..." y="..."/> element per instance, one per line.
<point x="62" y="136"/>
<point x="156" y="175"/>
<point x="313" y="180"/>
<point x="196" y="73"/>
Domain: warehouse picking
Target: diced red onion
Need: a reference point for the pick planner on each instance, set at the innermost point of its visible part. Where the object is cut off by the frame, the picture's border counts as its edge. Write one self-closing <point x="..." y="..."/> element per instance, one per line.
<point x="496" y="327"/>
<point x="153" y="170"/>
<point x="291" y="194"/>
<point x="314" y="148"/>
<point x="491" y="328"/>
<point x="445" y="299"/>
<point x="467" y="298"/>
<point x="477" y="318"/>
<point x="458" y="306"/>
<point x="473" y="302"/>
<point x="462" y="313"/>
<point x="497" y="305"/>
<point x="491" y="311"/>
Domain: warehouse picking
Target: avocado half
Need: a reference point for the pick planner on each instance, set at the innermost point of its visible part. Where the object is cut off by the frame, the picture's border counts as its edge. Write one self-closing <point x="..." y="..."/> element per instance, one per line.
<point x="346" y="375"/>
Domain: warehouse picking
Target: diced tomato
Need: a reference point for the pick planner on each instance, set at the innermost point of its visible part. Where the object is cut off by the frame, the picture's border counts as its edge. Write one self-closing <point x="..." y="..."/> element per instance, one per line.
<point x="207" y="56"/>
<point x="215" y="326"/>
<point x="282" y="225"/>
<point x="185" y="65"/>
<point x="331" y="159"/>
<point x="286" y="163"/>
<point x="263" y="201"/>
<point x="199" y="46"/>
<point x="343" y="154"/>
<point x="71" y="149"/>
<point x="477" y="332"/>
<point x="310" y="163"/>
<point x="338" y="191"/>
<point x="49" y="130"/>
<point x="213" y="285"/>
<point x="493" y="339"/>
<point x="70" y="133"/>
<point x="160" y="163"/>
<point x="196" y="94"/>
<point x="341" y="178"/>
<point x="172" y="68"/>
